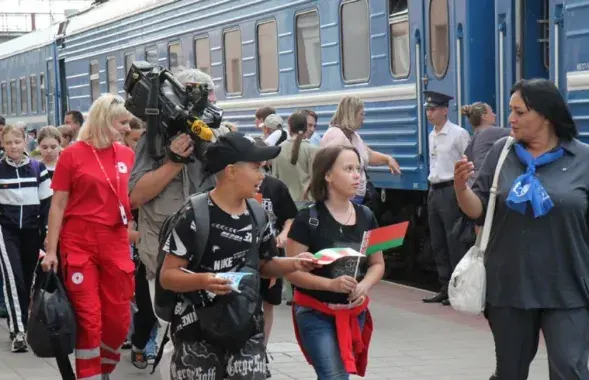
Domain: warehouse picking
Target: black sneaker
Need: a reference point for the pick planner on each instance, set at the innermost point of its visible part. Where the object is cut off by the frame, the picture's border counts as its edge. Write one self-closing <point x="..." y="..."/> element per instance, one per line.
<point x="19" y="343"/>
<point x="494" y="376"/>
<point x="138" y="359"/>
<point x="126" y="345"/>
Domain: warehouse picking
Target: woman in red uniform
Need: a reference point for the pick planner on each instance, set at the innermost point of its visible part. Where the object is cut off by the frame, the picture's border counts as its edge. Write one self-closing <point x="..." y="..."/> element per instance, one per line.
<point x="90" y="207"/>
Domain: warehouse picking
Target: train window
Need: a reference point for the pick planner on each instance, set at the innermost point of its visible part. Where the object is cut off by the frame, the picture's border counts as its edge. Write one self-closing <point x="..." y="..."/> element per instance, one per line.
<point x="355" y="40"/>
<point x="202" y="54"/>
<point x="268" y="56"/>
<point x="129" y="59"/>
<point x="152" y="55"/>
<point x="439" y="36"/>
<point x="33" y="89"/>
<point x="24" y="96"/>
<point x="4" y="94"/>
<point x="174" y="56"/>
<point x="308" y="49"/>
<point x="232" y="50"/>
<point x="13" y="97"/>
<point x="399" y="38"/>
<point x="112" y="75"/>
<point x="43" y="97"/>
<point x="94" y="80"/>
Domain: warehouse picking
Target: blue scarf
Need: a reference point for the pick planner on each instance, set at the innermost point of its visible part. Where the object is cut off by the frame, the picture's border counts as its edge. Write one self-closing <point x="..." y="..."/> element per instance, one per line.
<point x="527" y="187"/>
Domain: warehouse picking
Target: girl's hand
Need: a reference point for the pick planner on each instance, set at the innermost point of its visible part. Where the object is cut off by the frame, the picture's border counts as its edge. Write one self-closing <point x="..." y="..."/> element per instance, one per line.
<point x="359" y="293"/>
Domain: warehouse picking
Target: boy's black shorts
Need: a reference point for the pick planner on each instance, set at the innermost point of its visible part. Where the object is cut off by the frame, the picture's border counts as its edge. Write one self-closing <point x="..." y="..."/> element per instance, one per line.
<point x="271" y="295"/>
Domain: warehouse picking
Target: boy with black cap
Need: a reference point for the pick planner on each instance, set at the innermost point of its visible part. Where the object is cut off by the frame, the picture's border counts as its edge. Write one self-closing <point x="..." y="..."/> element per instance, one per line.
<point x="447" y="142"/>
<point x="236" y="162"/>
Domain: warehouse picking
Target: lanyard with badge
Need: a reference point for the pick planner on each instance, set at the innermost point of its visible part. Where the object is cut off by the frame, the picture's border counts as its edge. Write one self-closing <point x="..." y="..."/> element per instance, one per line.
<point x="121" y="207"/>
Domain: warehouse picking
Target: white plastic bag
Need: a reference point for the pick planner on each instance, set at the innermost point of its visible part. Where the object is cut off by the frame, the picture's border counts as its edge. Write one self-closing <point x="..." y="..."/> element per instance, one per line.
<point x="468" y="284"/>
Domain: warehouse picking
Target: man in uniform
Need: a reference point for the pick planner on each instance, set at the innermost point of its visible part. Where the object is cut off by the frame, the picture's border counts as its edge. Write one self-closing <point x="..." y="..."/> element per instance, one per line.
<point x="447" y="142"/>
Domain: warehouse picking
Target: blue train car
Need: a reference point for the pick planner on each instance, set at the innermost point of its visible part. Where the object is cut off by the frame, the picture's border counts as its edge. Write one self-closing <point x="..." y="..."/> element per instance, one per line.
<point x="572" y="68"/>
<point x="293" y="54"/>
<point x="29" y="91"/>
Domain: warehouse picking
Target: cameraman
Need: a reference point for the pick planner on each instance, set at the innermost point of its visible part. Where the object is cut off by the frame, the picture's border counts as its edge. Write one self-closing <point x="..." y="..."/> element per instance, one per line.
<point x="158" y="188"/>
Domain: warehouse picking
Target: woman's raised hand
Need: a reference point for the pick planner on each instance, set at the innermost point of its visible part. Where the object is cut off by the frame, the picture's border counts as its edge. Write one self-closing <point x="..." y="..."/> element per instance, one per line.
<point x="463" y="170"/>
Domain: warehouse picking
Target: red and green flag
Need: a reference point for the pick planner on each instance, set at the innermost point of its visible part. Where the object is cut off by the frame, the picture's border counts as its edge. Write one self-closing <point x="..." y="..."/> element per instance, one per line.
<point x="383" y="238"/>
<point x="329" y="255"/>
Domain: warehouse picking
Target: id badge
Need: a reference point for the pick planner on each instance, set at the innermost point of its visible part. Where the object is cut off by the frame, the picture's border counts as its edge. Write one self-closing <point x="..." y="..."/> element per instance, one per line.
<point x="123" y="214"/>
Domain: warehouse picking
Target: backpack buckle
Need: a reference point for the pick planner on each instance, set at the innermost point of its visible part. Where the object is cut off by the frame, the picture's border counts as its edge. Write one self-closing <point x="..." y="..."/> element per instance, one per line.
<point x="314" y="222"/>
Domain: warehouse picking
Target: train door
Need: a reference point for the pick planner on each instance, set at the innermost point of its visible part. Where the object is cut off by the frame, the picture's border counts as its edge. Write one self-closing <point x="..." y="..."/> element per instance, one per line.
<point x="438" y="51"/>
<point x="523" y="46"/>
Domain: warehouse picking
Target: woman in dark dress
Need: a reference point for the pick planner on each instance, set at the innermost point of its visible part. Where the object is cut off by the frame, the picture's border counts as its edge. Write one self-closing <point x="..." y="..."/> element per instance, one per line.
<point x="538" y="253"/>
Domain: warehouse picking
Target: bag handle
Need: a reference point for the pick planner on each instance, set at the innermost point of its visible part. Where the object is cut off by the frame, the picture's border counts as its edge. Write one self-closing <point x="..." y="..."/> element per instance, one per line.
<point x="485" y="234"/>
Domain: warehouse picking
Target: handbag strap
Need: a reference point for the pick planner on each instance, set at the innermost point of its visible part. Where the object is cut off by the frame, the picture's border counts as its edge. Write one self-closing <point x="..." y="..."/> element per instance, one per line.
<point x="493" y="196"/>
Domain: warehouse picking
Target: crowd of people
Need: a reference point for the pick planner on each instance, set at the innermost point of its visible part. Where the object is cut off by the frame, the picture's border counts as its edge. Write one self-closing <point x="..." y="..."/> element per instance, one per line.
<point x="124" y="228"/>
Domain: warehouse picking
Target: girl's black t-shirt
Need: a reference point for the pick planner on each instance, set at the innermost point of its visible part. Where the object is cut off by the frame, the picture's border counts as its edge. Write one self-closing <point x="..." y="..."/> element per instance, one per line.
<point x="328" y="233"/>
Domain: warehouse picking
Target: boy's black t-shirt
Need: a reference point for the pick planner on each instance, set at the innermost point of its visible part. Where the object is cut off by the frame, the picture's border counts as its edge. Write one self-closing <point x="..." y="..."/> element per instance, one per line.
<point x="228" y="244"/>
<point x="331" y="234"/>
<point x="277" y="202"/>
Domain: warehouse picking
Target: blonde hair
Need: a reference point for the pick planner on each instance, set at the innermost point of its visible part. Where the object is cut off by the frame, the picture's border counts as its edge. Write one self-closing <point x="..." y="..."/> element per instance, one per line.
<point x="98" y="129"/>
<point x="345" y="115"/>
<point x="19" y="131"/>
<point x="475" y="112"/>
<point x="49" y="132"/>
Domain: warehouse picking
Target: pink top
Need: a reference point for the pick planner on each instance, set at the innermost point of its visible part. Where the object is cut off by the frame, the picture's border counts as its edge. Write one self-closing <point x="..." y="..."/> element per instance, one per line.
<point x="335" y="136"/>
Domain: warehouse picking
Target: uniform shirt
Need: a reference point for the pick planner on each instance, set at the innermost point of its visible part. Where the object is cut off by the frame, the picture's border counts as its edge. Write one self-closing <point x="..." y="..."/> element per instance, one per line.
<point x="90" y="195"/>
<point x="296" y="177"/>
<point x="25" y="195"/>
<point x="277" y="202"/>
<point x="331" y="234"/>
<point x="445" y="148"/>
<point x="153" y="213"/>
<point x="227" y="247"/>
<point x="539" y="263"/>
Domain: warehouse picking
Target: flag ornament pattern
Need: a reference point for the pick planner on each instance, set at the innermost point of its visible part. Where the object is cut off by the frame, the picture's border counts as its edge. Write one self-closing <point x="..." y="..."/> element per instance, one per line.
<point x="329" y="255"/>
<point x="384" y="238"/>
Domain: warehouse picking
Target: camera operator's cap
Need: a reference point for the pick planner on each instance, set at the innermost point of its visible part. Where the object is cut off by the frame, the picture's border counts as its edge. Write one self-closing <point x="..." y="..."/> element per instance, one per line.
<point x="273" y="122"/>
<point x="436" y="99"/>
<point x="235" y="147"/>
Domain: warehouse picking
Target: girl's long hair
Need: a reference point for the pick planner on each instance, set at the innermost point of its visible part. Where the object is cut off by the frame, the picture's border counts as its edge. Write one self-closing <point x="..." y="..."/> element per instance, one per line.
<point x="297" y="124"/>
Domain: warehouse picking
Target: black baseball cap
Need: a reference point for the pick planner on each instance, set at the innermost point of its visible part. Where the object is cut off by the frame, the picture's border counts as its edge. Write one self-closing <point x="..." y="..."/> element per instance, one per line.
<point x="236" y="147"/>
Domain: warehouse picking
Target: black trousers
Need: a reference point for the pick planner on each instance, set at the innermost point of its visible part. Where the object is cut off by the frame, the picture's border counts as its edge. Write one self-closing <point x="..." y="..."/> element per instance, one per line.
<point x="517" y="333"/>
<point x="144" y="319"/>
<point x="443" y="212"/>
<point x="19" y="253"/>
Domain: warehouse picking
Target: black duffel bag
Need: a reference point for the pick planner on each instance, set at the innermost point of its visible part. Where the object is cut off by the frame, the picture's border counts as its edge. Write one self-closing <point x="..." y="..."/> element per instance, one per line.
<point x="52" y="322"/>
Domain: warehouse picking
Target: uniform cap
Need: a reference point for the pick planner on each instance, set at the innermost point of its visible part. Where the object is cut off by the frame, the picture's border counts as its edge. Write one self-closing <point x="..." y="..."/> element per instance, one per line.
<point x="436" y="99"/>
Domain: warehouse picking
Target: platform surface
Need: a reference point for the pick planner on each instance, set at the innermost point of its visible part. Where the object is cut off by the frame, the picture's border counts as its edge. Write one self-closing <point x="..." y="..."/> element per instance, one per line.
<point x="412" y="341"/>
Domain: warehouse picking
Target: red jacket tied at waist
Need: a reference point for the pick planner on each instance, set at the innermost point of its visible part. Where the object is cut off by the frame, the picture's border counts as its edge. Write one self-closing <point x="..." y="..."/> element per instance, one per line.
<point x="353" y="342"/>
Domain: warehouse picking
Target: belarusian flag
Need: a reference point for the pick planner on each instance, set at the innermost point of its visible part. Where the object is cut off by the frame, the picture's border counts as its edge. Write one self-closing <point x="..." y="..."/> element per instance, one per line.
<point x="329" y="255"/>
<point x="383" y="238"/>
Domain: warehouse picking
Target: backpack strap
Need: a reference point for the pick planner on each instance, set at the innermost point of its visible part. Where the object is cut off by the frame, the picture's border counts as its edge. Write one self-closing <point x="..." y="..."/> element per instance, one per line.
<point x="200" y="207"/>
<point x="260" y="220"/>
<point x="35" y="166"/>
<point x="313" y="217"/>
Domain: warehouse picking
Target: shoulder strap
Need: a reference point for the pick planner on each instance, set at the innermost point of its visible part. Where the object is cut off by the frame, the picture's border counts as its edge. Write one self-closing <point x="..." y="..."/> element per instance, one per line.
<point x="259" y="215"/>
<point x="200" y="207"/>
<point x="313" y="217"/>
<point x="493" y="195"/>
<point x="367" y="213"/>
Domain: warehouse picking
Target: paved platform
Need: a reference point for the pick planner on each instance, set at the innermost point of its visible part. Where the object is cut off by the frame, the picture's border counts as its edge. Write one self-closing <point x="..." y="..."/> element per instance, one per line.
<point x="412" y="341"/>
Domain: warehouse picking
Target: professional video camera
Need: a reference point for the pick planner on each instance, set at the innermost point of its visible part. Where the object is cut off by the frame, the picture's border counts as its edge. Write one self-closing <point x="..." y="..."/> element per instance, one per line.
<point x="169" y="108"/>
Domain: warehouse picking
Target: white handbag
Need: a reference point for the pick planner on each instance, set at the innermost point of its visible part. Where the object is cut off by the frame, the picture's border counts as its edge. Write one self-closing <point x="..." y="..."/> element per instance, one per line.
<point x="468" y="284"/>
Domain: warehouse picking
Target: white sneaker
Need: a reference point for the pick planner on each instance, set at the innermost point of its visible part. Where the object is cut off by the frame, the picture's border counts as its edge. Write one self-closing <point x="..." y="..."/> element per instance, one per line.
<point x="19" y="343"/>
